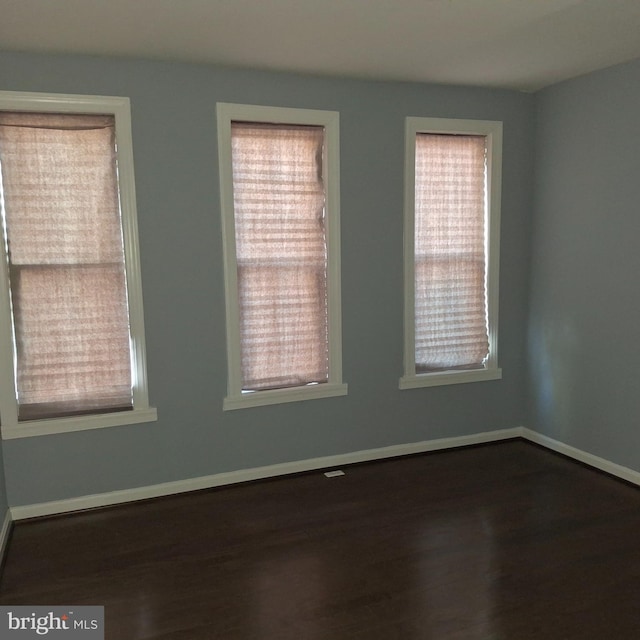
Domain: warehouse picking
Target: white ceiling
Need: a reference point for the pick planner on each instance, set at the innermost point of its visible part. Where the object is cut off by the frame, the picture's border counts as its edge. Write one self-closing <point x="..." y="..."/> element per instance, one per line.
<point x="519" y="44"/>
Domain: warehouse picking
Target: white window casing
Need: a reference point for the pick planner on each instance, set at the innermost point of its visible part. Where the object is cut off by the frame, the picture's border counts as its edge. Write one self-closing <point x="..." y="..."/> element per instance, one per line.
<point x="139" y="410"/>
<point x="416" y="376"/>
<point x="232" y="117"/>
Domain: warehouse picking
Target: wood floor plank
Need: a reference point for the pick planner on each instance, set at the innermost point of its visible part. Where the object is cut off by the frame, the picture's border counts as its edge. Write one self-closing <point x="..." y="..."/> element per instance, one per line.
<point x="498" y="542"/>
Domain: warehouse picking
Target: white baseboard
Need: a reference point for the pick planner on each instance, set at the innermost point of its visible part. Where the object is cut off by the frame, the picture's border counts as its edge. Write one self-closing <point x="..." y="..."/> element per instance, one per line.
<point x="257" y="473"/>
<point x="582" y="456"/>
<point x="4" y="534"/>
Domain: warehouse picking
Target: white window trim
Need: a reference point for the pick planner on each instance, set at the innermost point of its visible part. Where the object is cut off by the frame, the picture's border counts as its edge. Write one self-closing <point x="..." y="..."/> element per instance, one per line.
<point x="493" y="132"/>
<point x="141" y="412"/>
<point x="226" y="113"/>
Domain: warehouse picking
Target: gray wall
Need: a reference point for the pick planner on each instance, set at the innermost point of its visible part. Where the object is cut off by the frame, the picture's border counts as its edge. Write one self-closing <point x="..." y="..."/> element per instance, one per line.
<point x="175" y="148"/>
<point x="584" y="331"/>
<point x="4" y="505"/>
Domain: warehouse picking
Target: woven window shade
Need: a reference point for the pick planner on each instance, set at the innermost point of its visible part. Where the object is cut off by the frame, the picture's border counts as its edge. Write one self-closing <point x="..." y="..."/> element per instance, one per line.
<point x="450" y="257"/>
<point x="281" y="254"/>
<point x="66" y="264"/>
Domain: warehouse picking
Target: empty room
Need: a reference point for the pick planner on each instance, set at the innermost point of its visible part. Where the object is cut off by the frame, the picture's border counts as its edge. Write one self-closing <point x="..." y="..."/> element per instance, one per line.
<point x="320" y="320"/>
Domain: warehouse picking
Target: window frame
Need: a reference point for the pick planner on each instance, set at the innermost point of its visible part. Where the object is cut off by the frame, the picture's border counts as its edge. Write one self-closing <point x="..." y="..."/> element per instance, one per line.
<point x="11" y="428"/>
<point x="492" y="131"/>
<point x="226" y="114"/>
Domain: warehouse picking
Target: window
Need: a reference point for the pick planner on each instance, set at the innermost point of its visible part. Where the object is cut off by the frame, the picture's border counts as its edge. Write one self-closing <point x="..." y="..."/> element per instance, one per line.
<point x="452" y="211"/>
<point x="280" y="211"/>
<point x="71" y="325"/>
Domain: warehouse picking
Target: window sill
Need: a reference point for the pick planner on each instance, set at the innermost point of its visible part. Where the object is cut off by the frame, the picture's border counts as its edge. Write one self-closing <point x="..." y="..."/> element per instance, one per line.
<point x="77" y="423"/>
<point x="448" y="377"/>
<point x="278" y="396"/>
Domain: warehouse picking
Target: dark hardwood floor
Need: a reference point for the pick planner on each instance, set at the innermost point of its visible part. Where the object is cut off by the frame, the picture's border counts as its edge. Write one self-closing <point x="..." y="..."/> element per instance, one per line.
<point x="499" y="542"/>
